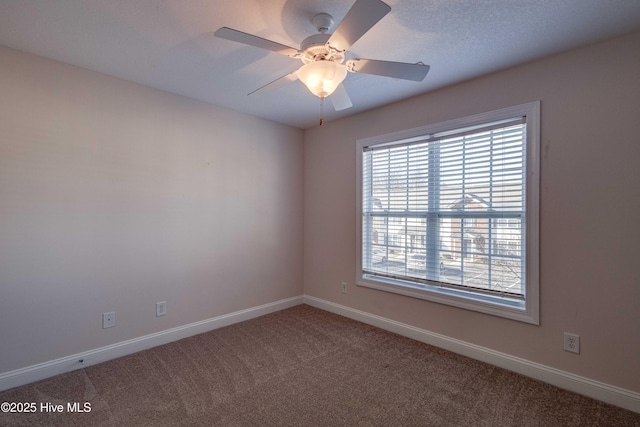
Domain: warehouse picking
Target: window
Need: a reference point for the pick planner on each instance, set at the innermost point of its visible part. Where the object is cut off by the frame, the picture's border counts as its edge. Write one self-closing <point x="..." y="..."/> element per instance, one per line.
<point x="459" y="204"/>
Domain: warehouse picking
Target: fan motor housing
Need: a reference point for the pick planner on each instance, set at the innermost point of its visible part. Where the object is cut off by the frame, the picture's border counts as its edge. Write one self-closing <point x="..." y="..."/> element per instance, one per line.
<point x="315" y="49"/>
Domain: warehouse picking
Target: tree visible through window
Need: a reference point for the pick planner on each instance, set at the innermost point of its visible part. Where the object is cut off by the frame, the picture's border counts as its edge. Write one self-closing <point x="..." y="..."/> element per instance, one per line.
<point x="454" y="205"/>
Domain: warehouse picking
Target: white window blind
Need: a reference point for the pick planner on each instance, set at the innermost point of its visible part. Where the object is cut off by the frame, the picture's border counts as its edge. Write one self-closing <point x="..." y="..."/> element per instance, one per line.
<point x="448" y="209"/>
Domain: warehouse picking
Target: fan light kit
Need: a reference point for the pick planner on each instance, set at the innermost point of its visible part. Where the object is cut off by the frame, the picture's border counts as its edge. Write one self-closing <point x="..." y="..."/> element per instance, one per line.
<point x="322" y="77"/>
<point x="323" y="54"/>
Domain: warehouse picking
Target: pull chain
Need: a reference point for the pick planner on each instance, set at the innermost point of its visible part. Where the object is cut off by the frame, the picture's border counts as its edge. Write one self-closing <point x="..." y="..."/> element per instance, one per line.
<point x="321" y="109"/>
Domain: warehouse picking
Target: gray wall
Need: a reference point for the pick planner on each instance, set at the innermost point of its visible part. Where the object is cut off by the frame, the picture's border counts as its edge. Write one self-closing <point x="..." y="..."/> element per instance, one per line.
<point x="114" y="196"/>
<point x="590" y="210"/>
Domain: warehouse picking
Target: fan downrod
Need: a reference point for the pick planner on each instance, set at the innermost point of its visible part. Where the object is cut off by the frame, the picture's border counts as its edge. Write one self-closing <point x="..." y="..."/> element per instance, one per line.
<point x="315" y="47"/>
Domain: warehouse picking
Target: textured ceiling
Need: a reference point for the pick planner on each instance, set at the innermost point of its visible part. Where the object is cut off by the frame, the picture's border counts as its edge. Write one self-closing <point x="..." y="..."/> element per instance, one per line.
<point x="169" y="44"/>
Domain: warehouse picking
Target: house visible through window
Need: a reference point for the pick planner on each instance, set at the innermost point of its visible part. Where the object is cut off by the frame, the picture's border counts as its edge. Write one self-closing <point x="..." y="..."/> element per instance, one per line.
<point x="458" y="203"/>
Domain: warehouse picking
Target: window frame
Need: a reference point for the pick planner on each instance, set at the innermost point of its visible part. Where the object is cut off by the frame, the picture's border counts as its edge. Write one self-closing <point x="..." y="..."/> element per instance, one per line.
<point x="526" y="310"/>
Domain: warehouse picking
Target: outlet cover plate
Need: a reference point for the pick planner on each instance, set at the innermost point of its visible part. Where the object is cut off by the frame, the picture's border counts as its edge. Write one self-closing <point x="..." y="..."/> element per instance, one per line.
<point x="161" y="308"/>
<point x="108" y="320"/>
<point x="572" y="343"/>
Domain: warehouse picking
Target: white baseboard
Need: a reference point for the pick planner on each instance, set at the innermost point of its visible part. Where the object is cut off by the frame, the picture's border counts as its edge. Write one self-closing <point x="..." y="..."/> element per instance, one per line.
<point x="44" y="370"/>
<point x="604" y="392"/>
<point x="597" y="390"/>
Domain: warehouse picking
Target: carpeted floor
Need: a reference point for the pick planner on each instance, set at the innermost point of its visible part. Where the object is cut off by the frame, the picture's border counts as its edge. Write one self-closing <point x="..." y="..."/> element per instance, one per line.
<point x="305" y="367"/>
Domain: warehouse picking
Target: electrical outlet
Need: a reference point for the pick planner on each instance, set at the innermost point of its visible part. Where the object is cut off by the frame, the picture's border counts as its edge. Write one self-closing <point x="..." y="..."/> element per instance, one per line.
<point x="343" y="289"/>
<point x="161" y="308"/>
<point x="108" y="320"/>
<point x="572" y="342"/>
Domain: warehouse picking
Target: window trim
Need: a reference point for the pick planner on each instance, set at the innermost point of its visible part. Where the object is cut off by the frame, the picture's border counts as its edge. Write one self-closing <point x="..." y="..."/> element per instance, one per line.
<point x="527" y="310"/>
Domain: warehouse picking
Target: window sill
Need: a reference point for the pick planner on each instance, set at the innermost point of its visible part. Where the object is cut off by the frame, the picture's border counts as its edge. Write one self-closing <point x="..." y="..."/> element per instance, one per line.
<point x="509" y="308"/>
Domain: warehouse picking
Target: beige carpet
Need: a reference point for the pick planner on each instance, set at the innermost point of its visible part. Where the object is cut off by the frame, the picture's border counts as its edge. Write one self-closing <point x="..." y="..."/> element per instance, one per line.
<point x="305" y="367"/>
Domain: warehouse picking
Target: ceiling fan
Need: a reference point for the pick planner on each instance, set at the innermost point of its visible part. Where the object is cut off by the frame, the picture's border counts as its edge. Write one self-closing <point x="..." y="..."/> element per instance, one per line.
<point x="323" y="54"/>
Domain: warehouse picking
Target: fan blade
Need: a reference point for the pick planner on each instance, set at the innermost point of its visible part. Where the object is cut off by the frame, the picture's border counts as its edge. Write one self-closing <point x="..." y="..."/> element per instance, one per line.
<point x="280" y="81"/>
<point x="251" y="40"/>
<point x="399" y="70"/>
<point x="340" y="98"/>
<point x="363" y="15"/>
